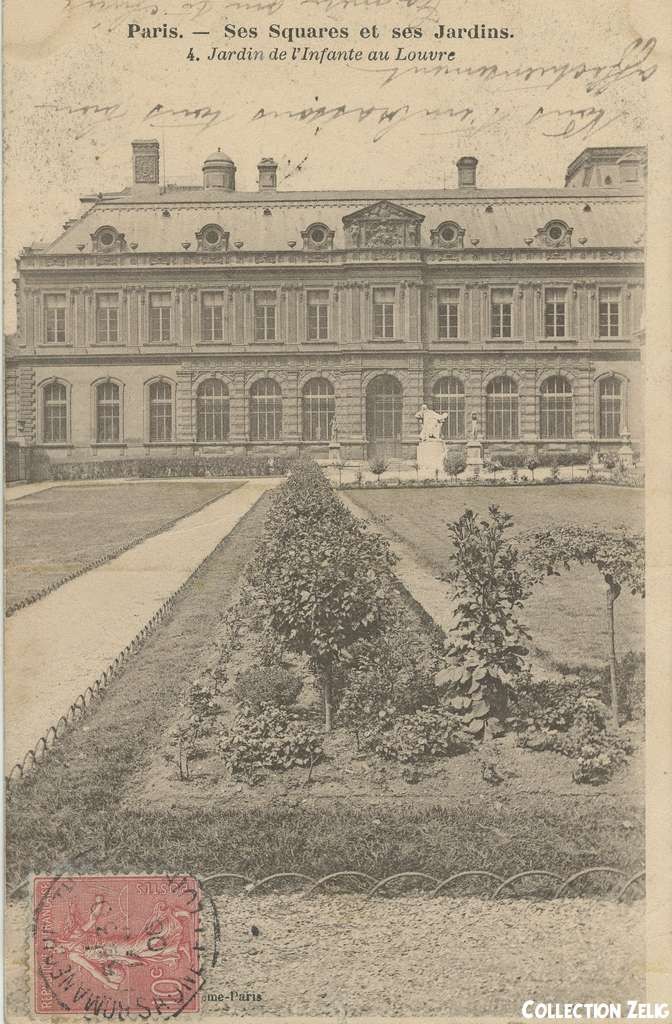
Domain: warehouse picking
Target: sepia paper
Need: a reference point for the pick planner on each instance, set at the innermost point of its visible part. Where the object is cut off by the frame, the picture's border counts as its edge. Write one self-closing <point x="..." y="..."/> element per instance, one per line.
<point x="354" y="229"/>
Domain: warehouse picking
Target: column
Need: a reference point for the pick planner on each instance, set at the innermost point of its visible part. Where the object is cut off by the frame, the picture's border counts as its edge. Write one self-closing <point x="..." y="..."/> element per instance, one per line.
<point x="527" y="405"/>
<point x="185" y="426"/>
<point x="291" y="428"/>
<point x="238" y="425"/>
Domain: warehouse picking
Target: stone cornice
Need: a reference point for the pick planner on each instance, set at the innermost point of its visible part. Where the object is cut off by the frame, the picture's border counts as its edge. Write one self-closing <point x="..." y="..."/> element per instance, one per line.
<point x="95" y="263"/>
<point x="516" y="352"/>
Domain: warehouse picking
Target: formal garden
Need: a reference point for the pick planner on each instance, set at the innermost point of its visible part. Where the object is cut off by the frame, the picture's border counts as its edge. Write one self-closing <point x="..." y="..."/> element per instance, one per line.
<point x="297" y="711"/>
<point x="321" y="627"/>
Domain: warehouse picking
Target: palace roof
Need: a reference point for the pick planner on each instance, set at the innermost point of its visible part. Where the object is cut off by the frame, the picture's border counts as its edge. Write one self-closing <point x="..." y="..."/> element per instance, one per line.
<point x="161" y="221"/>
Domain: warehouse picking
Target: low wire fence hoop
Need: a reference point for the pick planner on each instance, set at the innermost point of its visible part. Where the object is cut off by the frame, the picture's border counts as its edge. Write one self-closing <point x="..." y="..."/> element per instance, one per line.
<point x="582" y="874"/>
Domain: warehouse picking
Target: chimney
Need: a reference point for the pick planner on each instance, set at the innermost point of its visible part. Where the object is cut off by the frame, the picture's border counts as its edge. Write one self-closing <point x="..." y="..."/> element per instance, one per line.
<point x="466" y="172"/>
<point x="268" y="174"/>
<point x="145" y="161"/>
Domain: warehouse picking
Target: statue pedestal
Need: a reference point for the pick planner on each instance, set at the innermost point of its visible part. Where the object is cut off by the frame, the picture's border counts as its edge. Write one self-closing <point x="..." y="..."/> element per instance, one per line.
<point x="334" y="453"/>
<point x="430" y="455"/>
<point x="625" y="452"/>
<point x="474" y="453"/>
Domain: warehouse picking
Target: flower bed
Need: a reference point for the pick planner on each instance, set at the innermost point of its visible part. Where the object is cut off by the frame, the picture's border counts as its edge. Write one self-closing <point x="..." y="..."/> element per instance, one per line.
<point x="321" y="628"/>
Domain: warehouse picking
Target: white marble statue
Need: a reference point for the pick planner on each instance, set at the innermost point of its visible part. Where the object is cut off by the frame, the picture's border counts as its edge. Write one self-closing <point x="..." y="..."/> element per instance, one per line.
<point x="430" y="423"/>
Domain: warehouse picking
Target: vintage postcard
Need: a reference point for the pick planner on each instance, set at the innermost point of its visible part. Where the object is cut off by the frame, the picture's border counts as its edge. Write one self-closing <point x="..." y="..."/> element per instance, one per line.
<point x="337" y="389"/>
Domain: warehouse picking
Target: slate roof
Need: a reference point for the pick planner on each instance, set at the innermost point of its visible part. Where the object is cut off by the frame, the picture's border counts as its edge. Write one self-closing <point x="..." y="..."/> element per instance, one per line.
<point x="603" y="216"/>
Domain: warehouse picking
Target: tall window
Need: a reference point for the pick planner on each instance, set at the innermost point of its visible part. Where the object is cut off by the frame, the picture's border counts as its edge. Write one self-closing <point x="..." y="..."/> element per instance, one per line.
<point x="501" y="409"/>
<point x="159" y="316"/>
<point x="384" y="411"/>
<point x="212" y="411"/>
<point x="265" y="411"/>
<point x="501" y="312"/>
<point x="160" y="411"/>
<point x="383" y="312"/>
<point x="319" y="406"/>
<point x="611" y="407"/>
<point x="108" y="409"/>
<point x="265" y="315"/>
<point x="610" y="312"/>
<point x="318" y="314"/>
<point x="555" y="313"/>
<point x="55" y="413"/>
<point x="54" y="319"/>
<point x="448" y="397"/>
<point x="212" y="316"/>
<point x="447" y="312"/>
<point x="555" y="408"/>
<point x="107" y="318"/>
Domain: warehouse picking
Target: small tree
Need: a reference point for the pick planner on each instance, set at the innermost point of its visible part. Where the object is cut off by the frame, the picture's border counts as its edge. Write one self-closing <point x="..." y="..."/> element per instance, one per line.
<point x="487" y="642"/>
<point x="323" y="589"/>
<point x="378" y="466"/>
<point x="454" y="463"/>
<point x="618" y="555"/>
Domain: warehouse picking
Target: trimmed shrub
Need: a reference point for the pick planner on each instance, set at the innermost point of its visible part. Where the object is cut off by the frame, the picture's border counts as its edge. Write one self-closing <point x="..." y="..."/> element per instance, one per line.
<point x="509" y="460"/>
<point x="571" y="720"/>
<point x="378" y="467"/>
<point x="268" y="684"/>
<point x="428" y="732"/>
<point x="268" y="737"/>
<point x="570" y="457"/>
<point x="597" y="753"/>
<point x="454" y="462"/>
<point x="175" y="466"/>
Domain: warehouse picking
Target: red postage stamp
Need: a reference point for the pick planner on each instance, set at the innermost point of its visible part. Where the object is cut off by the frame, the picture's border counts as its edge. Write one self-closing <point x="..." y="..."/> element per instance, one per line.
<point x="115" y="945"/>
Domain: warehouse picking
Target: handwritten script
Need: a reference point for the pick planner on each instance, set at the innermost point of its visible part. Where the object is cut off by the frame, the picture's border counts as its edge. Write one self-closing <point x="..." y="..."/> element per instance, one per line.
<point x="487" y="107"/>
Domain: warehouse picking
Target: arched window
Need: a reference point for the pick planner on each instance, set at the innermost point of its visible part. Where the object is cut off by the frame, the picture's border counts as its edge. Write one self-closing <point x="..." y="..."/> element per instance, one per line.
<point x="384" y="407"/>
<point x="212" y="411"/>
<point x="108" y="412"/>
<point x="555" y="408"/>
<point x="501" y="409"/>
<point x="55" y="413"/>
<point x="161" y="411"/>
<point x="265" y="410"/>
<point x="448" y="397"/>
<point x="319" y="407"/>
<point x="611" y="407"/>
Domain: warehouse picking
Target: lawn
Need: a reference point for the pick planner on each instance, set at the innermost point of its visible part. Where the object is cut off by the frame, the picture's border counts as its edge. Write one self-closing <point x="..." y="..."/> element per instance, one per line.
<point x="566" y="614"/>
<point x="54" y="534"/>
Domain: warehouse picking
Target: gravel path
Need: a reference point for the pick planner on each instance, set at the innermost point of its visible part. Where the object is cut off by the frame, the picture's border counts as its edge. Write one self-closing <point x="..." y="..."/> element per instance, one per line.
<point x="58" y="646"/>
<point x="430" y="593"/>
<point x="428" y="590"/>
<point x="416" y="956"/>
<point x="17" y="491"/>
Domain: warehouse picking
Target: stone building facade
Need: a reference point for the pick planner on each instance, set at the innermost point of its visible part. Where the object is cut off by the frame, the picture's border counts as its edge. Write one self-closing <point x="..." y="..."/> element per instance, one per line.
<point x="171" y="320"/>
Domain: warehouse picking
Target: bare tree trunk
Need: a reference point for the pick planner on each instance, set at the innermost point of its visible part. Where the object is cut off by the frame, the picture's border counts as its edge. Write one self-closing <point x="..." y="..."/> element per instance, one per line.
<point x="328" y="710"/>
<point x="612" y="594"/>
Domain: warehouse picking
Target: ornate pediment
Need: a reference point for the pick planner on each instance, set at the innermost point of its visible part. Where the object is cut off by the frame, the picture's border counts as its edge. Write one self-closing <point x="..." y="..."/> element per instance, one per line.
<point x="382" y="225"/>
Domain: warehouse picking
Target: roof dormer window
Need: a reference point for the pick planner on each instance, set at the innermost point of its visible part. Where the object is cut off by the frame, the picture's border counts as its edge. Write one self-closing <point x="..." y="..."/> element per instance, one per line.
<point x="107" y="239"/>
<point x="448" y="235"/>
<point x="555" y="233"/>
<point x="317" y="236"/>
<point x="212" y="238"/>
